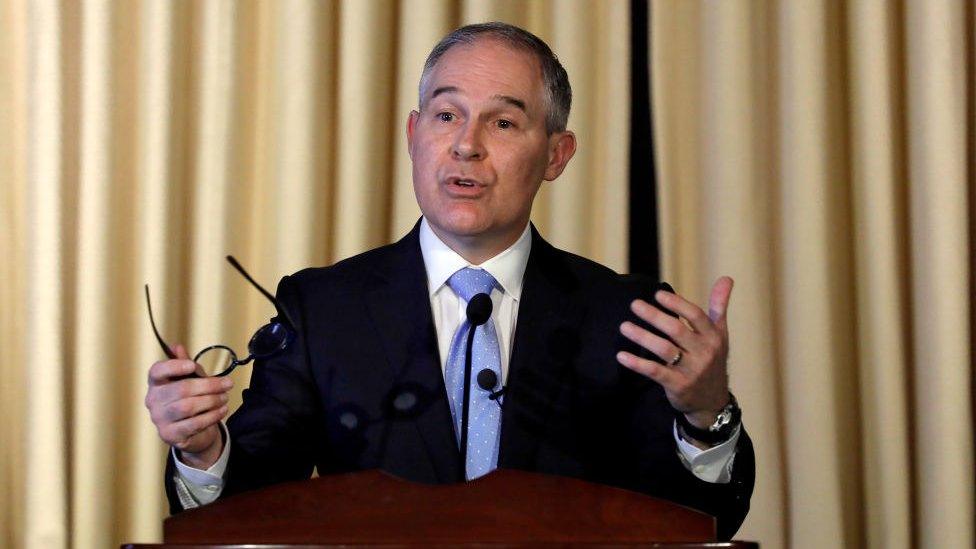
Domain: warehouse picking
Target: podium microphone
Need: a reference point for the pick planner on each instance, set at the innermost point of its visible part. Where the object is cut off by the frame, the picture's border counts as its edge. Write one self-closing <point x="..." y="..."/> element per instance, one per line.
<point x="478" y="312"/>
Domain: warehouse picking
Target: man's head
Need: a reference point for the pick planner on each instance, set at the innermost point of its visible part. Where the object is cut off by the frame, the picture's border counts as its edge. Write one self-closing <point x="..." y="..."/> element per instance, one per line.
<point x="559" y="94"/>
<point x="490" y="128"/>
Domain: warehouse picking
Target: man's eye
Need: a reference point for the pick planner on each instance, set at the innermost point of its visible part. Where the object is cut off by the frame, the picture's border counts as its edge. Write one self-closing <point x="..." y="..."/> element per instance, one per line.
<point x="445" y="116"/>
<point x="505" y="124"/>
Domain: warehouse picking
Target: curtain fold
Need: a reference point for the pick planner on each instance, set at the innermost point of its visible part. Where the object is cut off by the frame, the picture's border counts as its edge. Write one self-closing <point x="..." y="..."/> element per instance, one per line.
<point x="44" y="360"/>
<point x="13" y="237"/>
<point x="938" y="163"/>
<point x="143" y="141"/>
<point x="817" y="152"/>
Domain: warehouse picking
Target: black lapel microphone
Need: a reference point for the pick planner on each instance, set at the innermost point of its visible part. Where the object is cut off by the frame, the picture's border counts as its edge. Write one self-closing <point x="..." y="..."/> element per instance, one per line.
<point x="478" y="311"/>
<point x="488" y="380"/>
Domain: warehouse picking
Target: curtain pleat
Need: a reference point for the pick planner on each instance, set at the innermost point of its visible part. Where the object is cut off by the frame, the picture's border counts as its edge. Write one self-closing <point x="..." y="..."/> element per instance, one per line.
<point x="365" y="70"/>
<point x="211" y="194"/>
<point x="158" y="228"/>
<point x="878" y="182"/>
<point x="14" y="115"/>
<point x="938" y="212"/>
<point x="817" y="152"/>
<point x="816" y="313"/>
<point x="608" y="178"/>
<point x="735" y="145"/>
<point x="305" y="42"/>
<point x="94" y="424"/>
<point x="46" y="505"/>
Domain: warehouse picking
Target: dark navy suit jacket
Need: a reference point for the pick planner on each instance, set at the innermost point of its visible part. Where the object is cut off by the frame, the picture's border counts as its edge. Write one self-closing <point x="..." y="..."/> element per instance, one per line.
<point x="361" y="387"/>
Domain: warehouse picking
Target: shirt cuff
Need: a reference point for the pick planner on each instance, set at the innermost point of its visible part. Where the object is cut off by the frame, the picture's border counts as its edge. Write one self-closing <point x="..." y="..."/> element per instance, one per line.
<point x="203" y="486"/>
<point x="711" y="465"/>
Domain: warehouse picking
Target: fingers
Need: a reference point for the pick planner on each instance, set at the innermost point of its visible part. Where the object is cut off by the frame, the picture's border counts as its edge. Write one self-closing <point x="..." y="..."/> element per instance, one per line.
<point x="685" y="309"/>
<point x="667" y="377"/>
<point x="188" y="407"/>
<point x="671" y="326"/>
<point x="191" y="387"/>
<point x="700" y="381"/>
<point x="164" y="392"/>
<point x="165" y="371"/>
<point x="180" y="432"/>
<point x="650" y="341"/>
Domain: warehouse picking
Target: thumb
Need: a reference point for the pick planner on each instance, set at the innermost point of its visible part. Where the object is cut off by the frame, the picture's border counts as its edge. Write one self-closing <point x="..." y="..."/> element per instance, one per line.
<point x="718" y="304"/>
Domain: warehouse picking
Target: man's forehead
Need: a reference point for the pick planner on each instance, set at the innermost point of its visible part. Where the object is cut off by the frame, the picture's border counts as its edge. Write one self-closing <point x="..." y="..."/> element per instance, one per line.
<point x="498" y="53"/>
<point x="517" y="71"/>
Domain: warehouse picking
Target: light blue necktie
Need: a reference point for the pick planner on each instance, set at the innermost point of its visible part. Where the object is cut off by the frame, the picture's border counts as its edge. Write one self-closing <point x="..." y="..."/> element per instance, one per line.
<point x="484" y="415"/>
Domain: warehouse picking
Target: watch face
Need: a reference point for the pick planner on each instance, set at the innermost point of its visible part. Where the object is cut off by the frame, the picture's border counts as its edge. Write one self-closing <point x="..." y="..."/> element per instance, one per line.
<point x="726" y="417"/>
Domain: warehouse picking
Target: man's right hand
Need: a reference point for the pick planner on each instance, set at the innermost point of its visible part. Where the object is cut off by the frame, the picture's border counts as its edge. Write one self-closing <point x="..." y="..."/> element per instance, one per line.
<point x="187" y="410"/>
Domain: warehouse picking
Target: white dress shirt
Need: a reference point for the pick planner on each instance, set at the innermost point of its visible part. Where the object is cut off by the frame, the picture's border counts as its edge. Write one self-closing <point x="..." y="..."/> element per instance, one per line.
<point x="197" y="487"/>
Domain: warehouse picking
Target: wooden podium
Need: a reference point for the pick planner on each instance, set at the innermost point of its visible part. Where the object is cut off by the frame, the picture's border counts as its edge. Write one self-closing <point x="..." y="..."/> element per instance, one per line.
<point x="506" y="508"/>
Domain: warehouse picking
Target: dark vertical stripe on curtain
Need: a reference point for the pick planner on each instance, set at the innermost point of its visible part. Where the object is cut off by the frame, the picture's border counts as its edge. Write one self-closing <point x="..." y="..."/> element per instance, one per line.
<point x="643" y="246"/>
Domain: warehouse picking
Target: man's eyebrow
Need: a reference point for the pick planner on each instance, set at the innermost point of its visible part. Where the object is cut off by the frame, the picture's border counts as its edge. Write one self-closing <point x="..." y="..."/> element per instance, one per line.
<point x="444" y="89"/>
<point x="514" y="101"/>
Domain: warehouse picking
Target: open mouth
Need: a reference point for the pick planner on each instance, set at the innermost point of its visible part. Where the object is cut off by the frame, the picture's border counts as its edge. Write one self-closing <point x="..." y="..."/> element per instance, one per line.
<point x="461" y="182"/>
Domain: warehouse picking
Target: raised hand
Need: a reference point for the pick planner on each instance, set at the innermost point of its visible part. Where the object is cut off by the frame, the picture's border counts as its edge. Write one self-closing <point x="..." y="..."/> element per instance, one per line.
<point x="695" y="378"/>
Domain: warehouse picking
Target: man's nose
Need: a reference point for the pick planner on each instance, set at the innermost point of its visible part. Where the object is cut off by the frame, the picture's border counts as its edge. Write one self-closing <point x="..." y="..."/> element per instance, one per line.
<point x="468" y="144"/>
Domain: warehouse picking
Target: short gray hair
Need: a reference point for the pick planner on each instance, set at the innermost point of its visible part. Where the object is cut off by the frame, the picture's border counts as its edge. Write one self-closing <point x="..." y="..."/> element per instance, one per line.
<point x="559" y="94"/>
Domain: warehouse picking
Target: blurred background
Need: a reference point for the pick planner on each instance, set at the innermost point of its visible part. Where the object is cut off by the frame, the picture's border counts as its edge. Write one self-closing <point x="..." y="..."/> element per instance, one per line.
<point x="822" y="153"/>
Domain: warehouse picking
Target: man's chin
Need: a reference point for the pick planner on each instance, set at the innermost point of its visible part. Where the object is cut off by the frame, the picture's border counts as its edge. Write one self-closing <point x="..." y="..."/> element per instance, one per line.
<point x="465" y="231"/>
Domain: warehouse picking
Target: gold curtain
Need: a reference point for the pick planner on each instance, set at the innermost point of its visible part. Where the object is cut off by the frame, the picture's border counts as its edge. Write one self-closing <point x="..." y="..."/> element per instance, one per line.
<point x="822" y="153"/>
<point x="142" y="141"/>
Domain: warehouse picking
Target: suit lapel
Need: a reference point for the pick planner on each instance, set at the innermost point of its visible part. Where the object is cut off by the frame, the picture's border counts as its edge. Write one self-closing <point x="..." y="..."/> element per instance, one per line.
<point x="399" y="305"/>
<point x="546" y="340"/>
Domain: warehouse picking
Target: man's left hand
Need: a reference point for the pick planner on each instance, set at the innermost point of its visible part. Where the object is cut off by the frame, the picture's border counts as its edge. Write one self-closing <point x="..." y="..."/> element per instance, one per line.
<point x="696" y="379"/>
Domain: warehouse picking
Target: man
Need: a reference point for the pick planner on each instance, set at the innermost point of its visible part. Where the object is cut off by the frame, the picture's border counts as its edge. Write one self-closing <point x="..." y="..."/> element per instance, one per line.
<point x="374" y="378"/>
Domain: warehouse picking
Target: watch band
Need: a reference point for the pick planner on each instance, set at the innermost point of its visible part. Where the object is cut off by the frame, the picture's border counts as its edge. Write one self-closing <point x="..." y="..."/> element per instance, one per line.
<point x="728" y="419"/>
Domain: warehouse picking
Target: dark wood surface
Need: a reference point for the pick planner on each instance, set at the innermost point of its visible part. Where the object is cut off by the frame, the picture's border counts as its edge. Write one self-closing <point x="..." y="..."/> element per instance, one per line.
<point x="677" y="545"/>
<point x="503" y="509"/>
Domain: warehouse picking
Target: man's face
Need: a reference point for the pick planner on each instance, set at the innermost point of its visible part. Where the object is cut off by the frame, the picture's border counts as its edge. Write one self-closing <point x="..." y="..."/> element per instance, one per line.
<point x="479" y="145"/>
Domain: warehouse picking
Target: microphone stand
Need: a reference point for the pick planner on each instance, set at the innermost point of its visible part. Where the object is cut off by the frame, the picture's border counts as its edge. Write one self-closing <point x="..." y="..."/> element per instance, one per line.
<point x="478" y="312"/>
<point x="466" y="404"/>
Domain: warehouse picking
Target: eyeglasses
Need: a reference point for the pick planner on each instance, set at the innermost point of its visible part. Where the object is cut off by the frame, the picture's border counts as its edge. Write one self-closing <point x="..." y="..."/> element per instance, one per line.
<point x="220" y="360"/>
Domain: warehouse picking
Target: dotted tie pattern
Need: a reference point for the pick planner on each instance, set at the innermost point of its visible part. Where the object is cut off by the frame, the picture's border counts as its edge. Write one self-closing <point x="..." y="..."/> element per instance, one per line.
<point x="484" y="415"/>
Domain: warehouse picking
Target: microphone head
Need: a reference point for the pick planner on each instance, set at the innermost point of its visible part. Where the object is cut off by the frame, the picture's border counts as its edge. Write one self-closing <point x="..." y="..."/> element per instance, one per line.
<point x="479" y="309"/>
<point x="487" y="379"/>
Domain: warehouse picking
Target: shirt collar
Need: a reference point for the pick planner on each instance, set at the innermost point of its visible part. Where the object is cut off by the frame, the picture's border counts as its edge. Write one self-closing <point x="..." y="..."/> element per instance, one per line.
<point x="441" y="261"/>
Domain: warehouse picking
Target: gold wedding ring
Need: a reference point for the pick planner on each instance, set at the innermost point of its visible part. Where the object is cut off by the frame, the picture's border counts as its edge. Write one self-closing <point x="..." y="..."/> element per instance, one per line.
<point x="677" y="359"/>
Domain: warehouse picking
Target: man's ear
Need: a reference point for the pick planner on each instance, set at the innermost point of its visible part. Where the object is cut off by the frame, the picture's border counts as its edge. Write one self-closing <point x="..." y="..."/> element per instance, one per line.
<point x="411" y="126"/>
<point x="562" y="147"/>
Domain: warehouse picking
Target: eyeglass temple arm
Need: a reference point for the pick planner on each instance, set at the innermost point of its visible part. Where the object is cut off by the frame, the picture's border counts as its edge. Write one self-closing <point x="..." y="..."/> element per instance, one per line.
<point x="166" y="349"/>
<point x="267" y="294"/>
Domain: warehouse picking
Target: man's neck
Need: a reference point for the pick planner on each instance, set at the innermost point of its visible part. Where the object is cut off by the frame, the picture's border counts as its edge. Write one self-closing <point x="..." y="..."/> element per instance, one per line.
<point x="478" y="249"/>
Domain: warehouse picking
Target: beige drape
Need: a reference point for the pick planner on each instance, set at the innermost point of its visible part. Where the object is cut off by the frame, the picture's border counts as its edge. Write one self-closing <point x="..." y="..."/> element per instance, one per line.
<point x="141" y="141"/>
<point x="822" y="153"/>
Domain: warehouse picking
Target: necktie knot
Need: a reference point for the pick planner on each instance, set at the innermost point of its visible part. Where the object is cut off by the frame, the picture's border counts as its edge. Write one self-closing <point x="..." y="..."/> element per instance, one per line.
<point x="469" y="282"/>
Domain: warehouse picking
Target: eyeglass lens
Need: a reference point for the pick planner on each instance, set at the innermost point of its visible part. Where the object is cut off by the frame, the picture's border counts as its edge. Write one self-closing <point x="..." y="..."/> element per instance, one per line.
<point x="216" y="359"/>
<point x="268" y="340"/>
